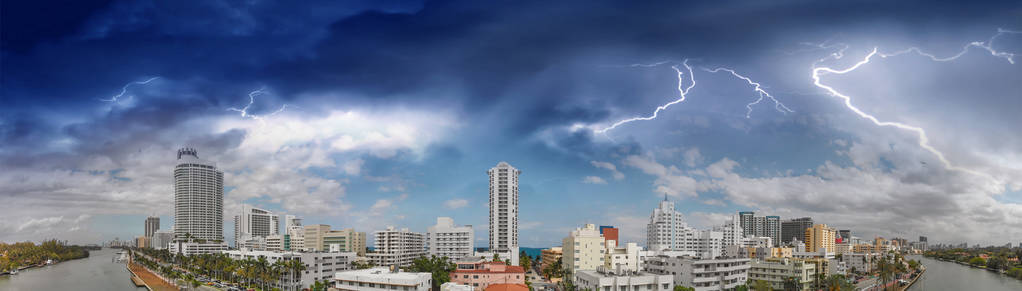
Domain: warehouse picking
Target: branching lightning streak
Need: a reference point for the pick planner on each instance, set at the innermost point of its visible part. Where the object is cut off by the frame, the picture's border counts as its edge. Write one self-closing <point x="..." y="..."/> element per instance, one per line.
<point x="682" y="92"/>
<point x="251" y="100"/>
<point x="758" y="88"/>
<point x="985" y="45"/>
<point x="124" y="90"/>
<point x="924" y="140"/>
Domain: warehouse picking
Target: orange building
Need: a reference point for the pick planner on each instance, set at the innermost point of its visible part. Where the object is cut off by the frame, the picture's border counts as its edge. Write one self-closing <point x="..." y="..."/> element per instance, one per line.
<point x="482" y="274"/>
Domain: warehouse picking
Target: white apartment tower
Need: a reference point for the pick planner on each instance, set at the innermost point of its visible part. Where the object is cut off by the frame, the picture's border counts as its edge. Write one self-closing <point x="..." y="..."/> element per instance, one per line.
<point x="397" y="247"/>
<point x="293" y="226"/>
<point x="448" y="240"/>
<point x="198" y="198"/>
<point x="503" y="208"/>
<point x="255" y="223"/>
<point x="667" y="230"/>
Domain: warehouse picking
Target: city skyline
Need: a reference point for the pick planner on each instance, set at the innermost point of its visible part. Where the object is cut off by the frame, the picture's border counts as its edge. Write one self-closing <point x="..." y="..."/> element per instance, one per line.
<point x="382" y="114"/>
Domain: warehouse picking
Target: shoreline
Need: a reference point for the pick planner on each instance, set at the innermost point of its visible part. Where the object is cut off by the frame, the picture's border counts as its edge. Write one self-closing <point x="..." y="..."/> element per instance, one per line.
<point x="8" y="273"/>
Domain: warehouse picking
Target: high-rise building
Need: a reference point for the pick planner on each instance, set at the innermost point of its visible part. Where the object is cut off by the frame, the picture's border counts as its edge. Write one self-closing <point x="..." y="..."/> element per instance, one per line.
<point x="584" y="249"/>
<point x="820" y="236"/>
<point x="922" y="238"/>
<point x="760" y="226"/>
<point x="448" y="240"/>
<point x="667" y="229"/>
<point x="609" y="233"/>
<point x="293" y="226"/>
<point x="732" y="231"/>
<point x="198" y="198"/>
<point x="845" y="234"/>
<point x="397" y="247"/>
<point x="161" y="239"/>
<point x="795" y="229"/>
<point x="152" y="224"/>
<point x="503" y="208"/>
<point x="255" y="223"/>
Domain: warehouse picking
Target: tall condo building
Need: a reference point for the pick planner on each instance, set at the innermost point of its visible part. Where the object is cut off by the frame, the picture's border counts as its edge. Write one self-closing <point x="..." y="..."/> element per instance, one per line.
<point x="760" y="226"/>
<point x="795" y="229"/>
<point x="820" y="237"/>
<point x="255" y="223"/>
<point x="152" y="224"/>
<point x="667" y="229"/>
<point x="448" y="240"/>
<point x="504" y="208"/>
<point x="198" y="198"/>
<point x="397" y="247"/>
<point x="293" y="225"/>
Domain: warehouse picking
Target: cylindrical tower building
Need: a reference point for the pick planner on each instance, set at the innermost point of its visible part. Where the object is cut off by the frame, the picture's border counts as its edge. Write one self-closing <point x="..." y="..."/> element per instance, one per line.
<point x="198" y="198"/>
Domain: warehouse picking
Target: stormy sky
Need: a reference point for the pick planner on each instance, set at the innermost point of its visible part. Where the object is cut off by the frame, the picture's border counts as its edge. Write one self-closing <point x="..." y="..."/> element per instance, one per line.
<point x="366" y="114"/>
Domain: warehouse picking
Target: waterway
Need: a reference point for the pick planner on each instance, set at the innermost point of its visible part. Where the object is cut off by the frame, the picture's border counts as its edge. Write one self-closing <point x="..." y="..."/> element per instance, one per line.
<point x="950" y="276"/>
<point x="97" y="272"/>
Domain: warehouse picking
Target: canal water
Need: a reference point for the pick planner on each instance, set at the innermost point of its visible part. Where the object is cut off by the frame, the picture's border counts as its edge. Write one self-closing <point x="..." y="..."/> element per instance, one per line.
<point x="950" y="276"/>
<point x="97" y="272"/>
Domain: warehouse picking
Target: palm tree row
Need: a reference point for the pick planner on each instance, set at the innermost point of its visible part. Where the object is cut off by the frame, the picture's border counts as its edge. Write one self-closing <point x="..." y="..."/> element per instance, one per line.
<point x="259" y="272"/>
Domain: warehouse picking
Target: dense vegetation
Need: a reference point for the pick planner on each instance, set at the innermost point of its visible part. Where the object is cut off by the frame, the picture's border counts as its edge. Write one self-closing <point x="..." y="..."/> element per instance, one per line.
<point x="24" y="254"/>
<point x="998" y="259"/>
<point x="256" y="274"/>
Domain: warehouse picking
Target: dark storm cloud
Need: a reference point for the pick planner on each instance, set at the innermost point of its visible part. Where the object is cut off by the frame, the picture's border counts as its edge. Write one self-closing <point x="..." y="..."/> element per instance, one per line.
<point x="486" y="53"/>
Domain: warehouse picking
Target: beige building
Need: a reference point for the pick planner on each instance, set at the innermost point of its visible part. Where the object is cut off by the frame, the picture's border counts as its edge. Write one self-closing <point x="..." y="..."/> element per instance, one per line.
<point x="820" y="236"/>
<point x="319" y="238"/>
<point x="583" y="249"/>
<point x="549" y="256"/>
<point x="776" y="270"/>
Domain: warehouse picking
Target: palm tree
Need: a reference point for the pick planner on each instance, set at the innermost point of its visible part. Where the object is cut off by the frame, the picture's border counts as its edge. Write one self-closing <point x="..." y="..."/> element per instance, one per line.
<point x="761" y="285"/>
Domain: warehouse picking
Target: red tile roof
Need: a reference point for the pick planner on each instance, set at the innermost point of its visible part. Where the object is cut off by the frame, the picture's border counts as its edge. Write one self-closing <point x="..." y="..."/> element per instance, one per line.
<point x="507" y="287"/>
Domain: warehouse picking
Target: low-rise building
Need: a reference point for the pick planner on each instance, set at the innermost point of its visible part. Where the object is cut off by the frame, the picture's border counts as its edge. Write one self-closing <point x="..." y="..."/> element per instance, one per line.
<point x="482" y="274"/>
<point x="197" y="248"/>
<point x="451" y="286"/>
<point x="603" y="279"/>
<point x="549" y="256"/>
<point x="776" y="270"/>
<point x="382" y="279"/>
<point x="701" y="274"/>
<point x="859" y="263"/>
<point x="629" y="257"/>
<point x="318" y="266"/>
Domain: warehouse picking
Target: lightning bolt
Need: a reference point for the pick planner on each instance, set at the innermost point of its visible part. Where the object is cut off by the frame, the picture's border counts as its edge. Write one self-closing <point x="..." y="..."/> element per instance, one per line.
<point x="124" y="90"/>
<point x="759" y="90"/>
<point x="924" y="140"/>
<point x="251" y="100"/>
<point x="682" y="92"/>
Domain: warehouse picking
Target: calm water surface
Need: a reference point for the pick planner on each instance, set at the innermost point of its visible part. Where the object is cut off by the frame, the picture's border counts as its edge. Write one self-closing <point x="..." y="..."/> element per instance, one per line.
<point x="950" y="276"/>
<point x="96" y="272"/>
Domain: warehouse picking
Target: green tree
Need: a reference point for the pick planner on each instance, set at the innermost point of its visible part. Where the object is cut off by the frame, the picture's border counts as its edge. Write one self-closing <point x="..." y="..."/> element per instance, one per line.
<point x="440" y="267"/>
<point x="524" y="260"/>
<point x="761" y="285"/>
<point x="683" y="288"/>
<point x="977" y="261"/>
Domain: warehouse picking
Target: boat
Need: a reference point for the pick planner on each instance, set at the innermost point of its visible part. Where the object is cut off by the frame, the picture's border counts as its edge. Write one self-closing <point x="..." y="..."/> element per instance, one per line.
<point x="14" y="272"/>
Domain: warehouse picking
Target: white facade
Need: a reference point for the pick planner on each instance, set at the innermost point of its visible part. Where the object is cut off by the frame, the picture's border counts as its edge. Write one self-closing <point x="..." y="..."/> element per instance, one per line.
<point x="162" y="239"/>
<point x="603" y="279"/>
<point x="195" y="248"/>
<point x="253" y="223"/>
<point x="584" y="249"/>
<point x="667" y="230"/>
<point x="275" y="243"/>
<point x="198" y="198"/>
<point x="451" y="286"/>
<point x="382" y="279"/>
<point x="397" y="247"/>
<point x="701" y="274"/>
<point x="732" y="232"/>
<point x="318" y="266"/>
<point x="447" y="240"/>
<point x="503" y="207"/>
<point x="626" y="258"/>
